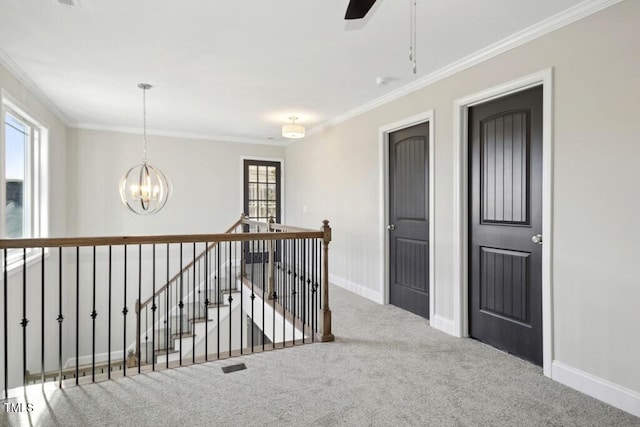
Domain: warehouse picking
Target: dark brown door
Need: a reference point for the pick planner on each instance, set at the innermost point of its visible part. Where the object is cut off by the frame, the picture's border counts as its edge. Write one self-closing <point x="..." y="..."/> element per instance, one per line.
<point x="505" y="283"/>
<point x="409" y="219"/>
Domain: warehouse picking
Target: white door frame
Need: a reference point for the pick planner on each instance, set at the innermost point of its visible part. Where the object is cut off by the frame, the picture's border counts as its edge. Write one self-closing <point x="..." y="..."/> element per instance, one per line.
<point x="461" y="208"/>
<point x="383" y="133"/>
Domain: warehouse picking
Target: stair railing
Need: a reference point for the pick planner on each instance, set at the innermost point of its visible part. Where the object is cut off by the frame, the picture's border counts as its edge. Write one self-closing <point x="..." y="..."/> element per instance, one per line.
<point x="207" y="283"/>
<point x="66" y="302"/>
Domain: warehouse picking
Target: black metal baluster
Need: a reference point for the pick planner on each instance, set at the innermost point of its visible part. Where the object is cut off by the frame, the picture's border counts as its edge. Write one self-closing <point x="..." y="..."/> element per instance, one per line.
<point x="197" y="314"/>
<point x="180" y="304"/>
<point x="42" y="260"/>
<point x="283" y="277"/>
<point x="24" y="320"/>
<point x="273" y="326"/>
<point x="264" y="296"/>
<point x="109" y="319"/>
<point x="314" y="288"/>
<point x="235" y="248"/>
<point x="230" y="297"/>
<point x="264" y="275"/>
<point x="77" y="313"/>
<point x="146" y="335"/>
<point x="294" y="294"/>
<point x="125" y="310"/>
<point x="138" y="331"/>
<point x="287" y="278"/>
<point x="193" y="324"/>
<point x="304" y="286"/>
<point x="153" y="312"/>
<point x="167" y="319"/>
<point x="206" y="301"/>
<point x="6" y="328"/>
<point x="94" y="314"/>
<point x="310" y="282"/>
<point x="60" y="317"/>
<point x="218" y="295"/>
<point x="283" y="295"/>
<point x="253" y="297"/>
<point x="320" y="268"/>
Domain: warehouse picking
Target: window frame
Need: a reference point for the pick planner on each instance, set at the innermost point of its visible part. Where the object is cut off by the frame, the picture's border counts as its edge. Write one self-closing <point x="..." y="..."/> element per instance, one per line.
<point x="35" y="186"/>
<point x="248" y="162"/>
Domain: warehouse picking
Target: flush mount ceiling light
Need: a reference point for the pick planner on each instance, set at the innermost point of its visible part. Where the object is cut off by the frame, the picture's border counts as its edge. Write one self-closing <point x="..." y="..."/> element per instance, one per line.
<point x="293" y="130"/>
<point x="144" y="189"/>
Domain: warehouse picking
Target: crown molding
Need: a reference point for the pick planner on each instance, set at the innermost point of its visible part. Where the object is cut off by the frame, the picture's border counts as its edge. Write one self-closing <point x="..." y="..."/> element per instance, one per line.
<point x="562" y="19"/>
<point x="187" y="135"/>
<point x="24" y="79"/>
<point x="575" y="13"/>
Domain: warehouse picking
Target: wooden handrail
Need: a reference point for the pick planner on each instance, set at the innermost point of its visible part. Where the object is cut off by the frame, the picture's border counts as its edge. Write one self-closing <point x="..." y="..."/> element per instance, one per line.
<point x="254" y="222"/>
<point x="286" y="232"/>
<point x="149" y="240"/>
<point x="285" y="228"/>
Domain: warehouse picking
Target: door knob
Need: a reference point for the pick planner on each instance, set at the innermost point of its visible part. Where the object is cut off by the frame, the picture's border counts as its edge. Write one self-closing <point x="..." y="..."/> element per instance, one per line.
<point x="391" y="227"/>
<point x="537" y="239"/>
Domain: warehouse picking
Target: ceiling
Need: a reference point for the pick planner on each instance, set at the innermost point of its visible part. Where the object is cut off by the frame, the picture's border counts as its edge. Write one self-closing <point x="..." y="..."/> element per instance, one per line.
<point x="236" y="70"/>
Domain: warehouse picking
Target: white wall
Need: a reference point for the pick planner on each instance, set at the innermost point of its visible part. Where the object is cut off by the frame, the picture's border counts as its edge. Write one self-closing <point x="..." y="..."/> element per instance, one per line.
<point x="595" y="286"/>
<point x="206" y="177"/>
<point x="207" y="198"/>
<point x="24" y="98"/>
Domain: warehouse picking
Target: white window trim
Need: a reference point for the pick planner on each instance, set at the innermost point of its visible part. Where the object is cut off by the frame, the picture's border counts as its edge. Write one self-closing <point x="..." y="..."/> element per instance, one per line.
<point x="38" y="186"/>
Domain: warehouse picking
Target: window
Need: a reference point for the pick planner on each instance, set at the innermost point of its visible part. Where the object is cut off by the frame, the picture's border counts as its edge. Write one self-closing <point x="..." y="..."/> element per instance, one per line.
<point x="262" y="190"/>
<point x="22" y="170"/>
<point x="261" y="200"/>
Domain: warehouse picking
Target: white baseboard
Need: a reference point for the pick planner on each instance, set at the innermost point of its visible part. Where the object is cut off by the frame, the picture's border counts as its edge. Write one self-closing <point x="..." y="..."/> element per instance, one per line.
<point x="100" y="358"/>
<point x="443" y="324"/>
<point x="606" y="391"/>
<point x="357" y="289"/>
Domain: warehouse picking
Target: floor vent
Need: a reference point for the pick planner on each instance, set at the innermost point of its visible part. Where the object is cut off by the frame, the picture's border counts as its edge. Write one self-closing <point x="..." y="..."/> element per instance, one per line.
<point x="233" y="368"/>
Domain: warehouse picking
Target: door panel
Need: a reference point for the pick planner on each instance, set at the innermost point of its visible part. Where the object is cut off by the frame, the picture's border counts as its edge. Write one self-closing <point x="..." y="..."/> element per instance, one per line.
<point x="505" y="283"/>
<point x="408" y="214"/>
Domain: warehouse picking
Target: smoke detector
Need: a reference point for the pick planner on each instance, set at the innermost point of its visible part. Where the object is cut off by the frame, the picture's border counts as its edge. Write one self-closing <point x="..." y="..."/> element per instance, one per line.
<point x="68" y="3"/>
<point x="382" y="81"/>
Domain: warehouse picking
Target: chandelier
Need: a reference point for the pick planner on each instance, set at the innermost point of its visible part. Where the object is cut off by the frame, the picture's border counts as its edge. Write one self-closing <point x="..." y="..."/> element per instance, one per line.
<point x="144" y="189"/>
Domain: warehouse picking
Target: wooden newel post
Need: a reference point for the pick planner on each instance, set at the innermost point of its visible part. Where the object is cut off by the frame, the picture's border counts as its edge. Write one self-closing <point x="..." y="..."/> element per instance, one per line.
<point x="326" y="312"/>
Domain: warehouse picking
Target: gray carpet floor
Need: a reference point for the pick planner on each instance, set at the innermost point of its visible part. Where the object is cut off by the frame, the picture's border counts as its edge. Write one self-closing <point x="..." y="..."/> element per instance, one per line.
<point x="387" y="367"/>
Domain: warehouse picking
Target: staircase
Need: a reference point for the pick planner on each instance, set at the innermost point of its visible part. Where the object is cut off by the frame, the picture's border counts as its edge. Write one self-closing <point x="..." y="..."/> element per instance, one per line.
<point x="258" y="286"/>
<point x="242" y="321"/>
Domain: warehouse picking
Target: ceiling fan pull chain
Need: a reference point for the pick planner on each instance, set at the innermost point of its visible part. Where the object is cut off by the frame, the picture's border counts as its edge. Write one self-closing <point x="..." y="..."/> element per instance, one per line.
<point x="410" y="30"/>
<point x="413" y="37"/>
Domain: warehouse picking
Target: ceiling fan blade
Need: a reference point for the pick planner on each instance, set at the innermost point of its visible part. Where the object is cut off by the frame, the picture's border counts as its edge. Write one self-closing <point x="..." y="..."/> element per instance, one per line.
<point x="358" y="8"/>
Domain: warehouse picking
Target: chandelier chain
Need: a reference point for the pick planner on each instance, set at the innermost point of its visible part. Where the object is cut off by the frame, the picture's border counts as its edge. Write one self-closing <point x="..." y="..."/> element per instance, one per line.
<point x="144" y="125"/>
